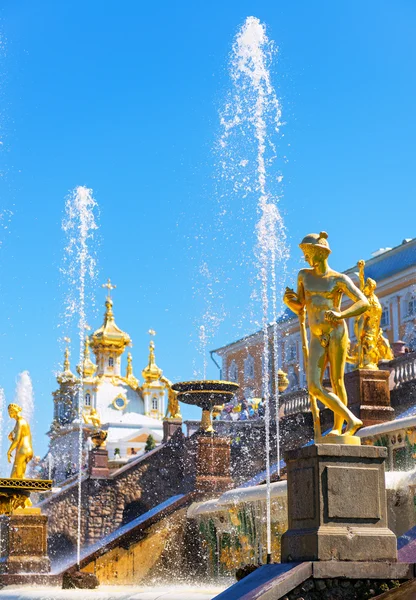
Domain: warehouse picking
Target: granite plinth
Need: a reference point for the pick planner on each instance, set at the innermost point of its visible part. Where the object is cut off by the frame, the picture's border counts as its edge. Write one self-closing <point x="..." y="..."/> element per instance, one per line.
<point x="98" y="463"/>
<point x="337" y="507"/>
<point x="24" y="544"/>
<point x="170" y="426"/>
<point x="369" y="395"/>
<point x="213" y="464"/>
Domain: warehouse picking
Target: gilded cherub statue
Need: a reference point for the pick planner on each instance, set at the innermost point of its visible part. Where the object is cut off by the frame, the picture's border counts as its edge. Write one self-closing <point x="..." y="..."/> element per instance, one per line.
<point x="91" y="417"/>
<point x="21" y="443"/>
<point x="371" y="346"/>
<point x="319" y="293"/>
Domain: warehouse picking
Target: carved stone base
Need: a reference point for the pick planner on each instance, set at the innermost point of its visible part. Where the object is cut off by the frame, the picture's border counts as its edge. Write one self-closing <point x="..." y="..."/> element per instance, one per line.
<point x="98" y="463"/>
<point x="337" y="505"/>
<point x="369" y="395"/>
<point x="170" y="426"/>
<point x="24" y="546"/>
<point x="213" y="464"/>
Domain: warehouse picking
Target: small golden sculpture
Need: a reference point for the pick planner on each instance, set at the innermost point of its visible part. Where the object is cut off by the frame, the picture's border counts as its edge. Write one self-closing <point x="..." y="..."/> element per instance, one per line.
<point x="371" y="346"/>
<point x="319" y="293"/>
<point x="99" y="436"/>
<point x="173" y="410"/>
<point x="21" y="443"/>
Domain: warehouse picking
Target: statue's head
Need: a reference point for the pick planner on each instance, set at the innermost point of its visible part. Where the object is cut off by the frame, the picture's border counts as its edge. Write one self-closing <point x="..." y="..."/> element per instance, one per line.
<point x="315" y="247"/>
<point x="14" y="410"/>
<point x="370" y="286"/>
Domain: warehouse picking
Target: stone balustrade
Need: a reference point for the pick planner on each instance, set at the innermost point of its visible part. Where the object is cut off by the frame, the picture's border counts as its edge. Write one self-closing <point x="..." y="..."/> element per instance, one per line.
<point x="403" y="369"/>
<point x="295" y="402"/>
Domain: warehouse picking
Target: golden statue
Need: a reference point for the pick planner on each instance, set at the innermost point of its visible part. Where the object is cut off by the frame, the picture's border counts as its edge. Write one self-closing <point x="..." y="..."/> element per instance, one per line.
<point x="91" y="417"/>
<point x="371" y="346"/>
<point x="319" y="293"/>
<point x="21" y="442"/>
<point x="173" y="410"/>
<point x="99" y="436"/>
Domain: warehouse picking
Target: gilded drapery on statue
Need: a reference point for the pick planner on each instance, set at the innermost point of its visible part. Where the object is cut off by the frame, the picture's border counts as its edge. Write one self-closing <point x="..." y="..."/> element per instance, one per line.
<point x="371" y="345"/>
<point x="319" y="294"/>
<point x="21" y="443"/>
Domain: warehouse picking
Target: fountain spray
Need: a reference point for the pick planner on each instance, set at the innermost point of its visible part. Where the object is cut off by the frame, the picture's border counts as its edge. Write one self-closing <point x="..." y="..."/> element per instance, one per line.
<point x="79" y="225"/>
<point x="254" y="112"/>
<point x="24" y="395"/>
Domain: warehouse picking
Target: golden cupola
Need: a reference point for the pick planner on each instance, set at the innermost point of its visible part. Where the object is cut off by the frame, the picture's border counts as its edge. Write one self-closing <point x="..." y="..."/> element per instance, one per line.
<point x="151" y="372"/>
<point x="66" y="376"/>
<point x="88" y="367"/>
<point x="109" y="341"/>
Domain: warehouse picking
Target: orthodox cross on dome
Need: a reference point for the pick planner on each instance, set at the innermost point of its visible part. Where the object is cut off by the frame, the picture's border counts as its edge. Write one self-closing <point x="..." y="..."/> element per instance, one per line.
<point x="109" y="287"/>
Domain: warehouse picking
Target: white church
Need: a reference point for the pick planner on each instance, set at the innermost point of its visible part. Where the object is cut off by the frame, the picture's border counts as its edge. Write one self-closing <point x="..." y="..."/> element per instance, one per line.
<point x="129" y="412"/>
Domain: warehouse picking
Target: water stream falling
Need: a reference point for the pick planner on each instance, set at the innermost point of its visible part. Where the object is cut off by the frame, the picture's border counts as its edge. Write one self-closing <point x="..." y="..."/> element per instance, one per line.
<point x="24" y="396"/>
<point x="79" y="225"/>
<point x="253" y="115"/>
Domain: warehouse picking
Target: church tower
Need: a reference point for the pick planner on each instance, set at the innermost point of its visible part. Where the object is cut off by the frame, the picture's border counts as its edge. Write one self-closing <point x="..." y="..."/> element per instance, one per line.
<point x="128" y="412"/>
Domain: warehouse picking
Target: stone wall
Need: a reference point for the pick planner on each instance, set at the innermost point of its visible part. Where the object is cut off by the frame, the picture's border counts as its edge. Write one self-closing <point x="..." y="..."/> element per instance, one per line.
<point x="132" y="490"/>
<point x="341" y="589"/>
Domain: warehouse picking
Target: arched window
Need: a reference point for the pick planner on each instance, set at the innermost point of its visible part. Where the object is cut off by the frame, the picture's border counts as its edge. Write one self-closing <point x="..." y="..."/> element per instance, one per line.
<point x="155" y="404"/>
<point x="290" y="351"/>
<point x="111" y="362"/>
<point x="411" y="307"/>
<point x="293" y="378"/>
<point x="87" y="399"/>
<point x="385" y="317"/>
<point x="233" y="371"/>
<point x="249" y="367"/>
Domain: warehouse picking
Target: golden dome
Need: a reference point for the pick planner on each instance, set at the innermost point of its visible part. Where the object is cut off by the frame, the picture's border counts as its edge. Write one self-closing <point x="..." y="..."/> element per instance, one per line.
<point x="152" y="371"/>
<point x="66" y="375"/>
<point x="109" y="336"/>
<point x="88" y="367"/>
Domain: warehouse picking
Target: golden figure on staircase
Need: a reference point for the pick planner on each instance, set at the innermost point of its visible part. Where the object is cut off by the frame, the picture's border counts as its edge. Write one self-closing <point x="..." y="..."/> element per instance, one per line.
<point x="21" y="443"/>
<point x="319" y="294"/>
<point x="371" y="346"/>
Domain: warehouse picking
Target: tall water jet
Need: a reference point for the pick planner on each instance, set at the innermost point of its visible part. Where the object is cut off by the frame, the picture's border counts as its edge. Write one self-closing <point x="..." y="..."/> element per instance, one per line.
<point x="79" y="224"/>
<point x="252" y="116"/>
<point x="24" y="395"/>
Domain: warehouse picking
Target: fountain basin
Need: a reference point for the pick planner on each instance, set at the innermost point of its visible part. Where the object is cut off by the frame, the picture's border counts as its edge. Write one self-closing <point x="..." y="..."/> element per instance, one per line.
<point x="205" y="394"/>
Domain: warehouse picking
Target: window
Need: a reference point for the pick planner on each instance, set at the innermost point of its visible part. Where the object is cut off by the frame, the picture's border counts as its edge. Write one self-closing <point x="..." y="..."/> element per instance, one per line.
<point x="249" y="367"/>
<point x="111" y="362"/>
<point x="291" y="351"/>
<point x="411" y="307"/>
<point x="385" y="317"/>
<point x="293" y="378"/>
<point x="154" y="404"/>
<point x="87" y="399"/>
<point x="233" y="371"/>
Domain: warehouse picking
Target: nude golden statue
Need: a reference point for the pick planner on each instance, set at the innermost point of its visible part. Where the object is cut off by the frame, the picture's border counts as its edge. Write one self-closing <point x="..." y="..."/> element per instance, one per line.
<point x="371" y="346"/>
<point x="319" y="293"/>
<point x="21" y="442"/>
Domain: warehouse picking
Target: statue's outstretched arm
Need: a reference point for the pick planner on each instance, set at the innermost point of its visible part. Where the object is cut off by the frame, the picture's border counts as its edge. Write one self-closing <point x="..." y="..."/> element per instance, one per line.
<point x="295" y="300"/>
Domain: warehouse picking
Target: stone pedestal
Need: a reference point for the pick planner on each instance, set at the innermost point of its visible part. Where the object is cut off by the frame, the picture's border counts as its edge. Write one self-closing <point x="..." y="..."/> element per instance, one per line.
<point x="170" y="426"/>
<point x="369" y="395"/>
<point x="337" y="505"/>
<point x="98" y="463"/>
<point x="213" y="464"/>
<point x="23" y="543"/>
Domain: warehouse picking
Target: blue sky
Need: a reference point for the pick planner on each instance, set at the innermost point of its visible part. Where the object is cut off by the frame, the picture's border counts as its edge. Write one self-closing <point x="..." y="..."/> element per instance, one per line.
<point x="124" y="98"/>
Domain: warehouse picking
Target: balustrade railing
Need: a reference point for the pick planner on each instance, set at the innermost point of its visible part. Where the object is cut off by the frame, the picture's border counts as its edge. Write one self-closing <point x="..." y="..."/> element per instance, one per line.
<point x="295" y="402"/>
<point x="403" y="369"/>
